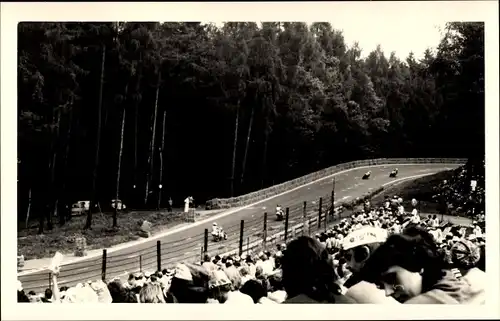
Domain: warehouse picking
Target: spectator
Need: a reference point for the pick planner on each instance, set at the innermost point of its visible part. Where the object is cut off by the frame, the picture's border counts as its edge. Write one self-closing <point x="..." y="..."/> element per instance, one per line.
<point x="151" y="293"/>
<point x="358" y="246"/>
<point x="245" y="274"/>
<point x="308" y="273"/>
<point x="170" y="203"/>
<point x="208" y="264"/>
<point x="262" y="278"/>
<point x="464" y="255"/>
<point x="410" y="267"/>
<point x="255" y="290"/>
<point x="234" y="276"/>
<point x="101" y="289"/>
<point x="119" y="293"/>
<point x="277" y="292"/>
<point x="186" y="288"/>
<point x="47" y="298"/>
<point x="22" y="297"/>
<point x="220" y="289"/>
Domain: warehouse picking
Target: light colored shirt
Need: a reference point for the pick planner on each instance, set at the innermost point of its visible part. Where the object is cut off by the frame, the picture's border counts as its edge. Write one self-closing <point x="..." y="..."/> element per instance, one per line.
<point x="364" y="292"/>
<point x="236" y="297"/>
<point x="277" y="296"/>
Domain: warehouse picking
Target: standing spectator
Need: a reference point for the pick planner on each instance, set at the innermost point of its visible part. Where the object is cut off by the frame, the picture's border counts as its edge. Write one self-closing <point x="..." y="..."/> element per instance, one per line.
<point x="169" y="205"/>
<point x="186" y="204"/>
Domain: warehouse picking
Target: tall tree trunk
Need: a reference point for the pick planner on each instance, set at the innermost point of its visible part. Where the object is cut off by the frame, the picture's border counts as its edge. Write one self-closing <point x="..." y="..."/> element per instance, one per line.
<point x="264" y="158"/>
<point x="235" y="145"/>
<point x="115" y="213"/>
<point x="162" y="151"/>
<point x="250" y="124"/>
<point x="136" y="119"/>
<point x="42" y="215"/>
<point x="53" y="166"/>
<point x="29" y="209"/>
<point x="52" y="201"/>
<point x="88" y="224"/>
<point x="64" y="203"/>
<point x="152" y="145"/>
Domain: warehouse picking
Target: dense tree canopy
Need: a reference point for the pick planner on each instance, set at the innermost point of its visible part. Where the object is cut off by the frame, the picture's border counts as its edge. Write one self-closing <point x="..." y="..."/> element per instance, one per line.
<point x="214" y="112"/>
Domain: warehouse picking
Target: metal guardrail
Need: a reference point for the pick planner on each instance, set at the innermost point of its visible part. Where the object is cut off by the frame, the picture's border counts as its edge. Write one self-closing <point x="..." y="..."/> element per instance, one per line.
<point x="222" y="203"/>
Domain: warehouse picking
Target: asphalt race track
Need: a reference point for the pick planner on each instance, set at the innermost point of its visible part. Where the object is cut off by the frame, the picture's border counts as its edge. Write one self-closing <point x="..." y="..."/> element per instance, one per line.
<point x="186" y="244"/>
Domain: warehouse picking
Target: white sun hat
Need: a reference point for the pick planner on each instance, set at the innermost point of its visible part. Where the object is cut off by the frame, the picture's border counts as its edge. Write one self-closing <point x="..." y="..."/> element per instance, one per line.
<point x="363" y="236"/>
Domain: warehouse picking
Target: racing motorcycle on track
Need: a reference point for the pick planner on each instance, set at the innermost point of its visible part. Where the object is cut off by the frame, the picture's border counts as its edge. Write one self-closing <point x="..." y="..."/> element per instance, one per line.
<point x="367" y="175"/>
<point x="393" y="173"/>
<point x="218" y="233"/>
<point x="279" y="213"/>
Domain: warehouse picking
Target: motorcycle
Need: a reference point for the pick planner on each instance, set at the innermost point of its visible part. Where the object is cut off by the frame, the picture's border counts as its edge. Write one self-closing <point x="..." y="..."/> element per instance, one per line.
<point x="367" y="175"/>
<point x="394" y="173"/>
<point x="221" y="235"/>
<point x="279" y="215"/>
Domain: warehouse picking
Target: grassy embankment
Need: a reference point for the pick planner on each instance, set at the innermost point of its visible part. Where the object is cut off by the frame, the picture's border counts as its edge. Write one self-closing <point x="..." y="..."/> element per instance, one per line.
<point x="62" y="239"/>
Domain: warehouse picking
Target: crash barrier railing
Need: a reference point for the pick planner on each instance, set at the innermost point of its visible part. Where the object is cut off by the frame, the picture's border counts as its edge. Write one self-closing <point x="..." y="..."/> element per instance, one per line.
<point x="222" y="203"/>
<point x="259" y="233"/>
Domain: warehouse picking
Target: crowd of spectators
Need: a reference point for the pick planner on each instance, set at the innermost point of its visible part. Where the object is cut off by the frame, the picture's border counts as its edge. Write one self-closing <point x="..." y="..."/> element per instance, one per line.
<point x="464" y="192"/>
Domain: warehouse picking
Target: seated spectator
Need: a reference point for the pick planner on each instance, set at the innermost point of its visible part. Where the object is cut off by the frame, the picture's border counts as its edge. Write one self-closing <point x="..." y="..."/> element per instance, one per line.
<point x="255" y="290"/>
<point x="262" y="277"/>
<point x="101" y="289"/>
<point x="47" y="298"/>
<point x="220" y="286"/>
<point x="465" y="254"/>
<point x="22" y="297"/>
<point x="309" y="274"/>
<point x="151" y="293"/>
<point x="358" y="247"/>
<point x="277" y="291"/>
<point x="186" y="288"/>
<point x="120" y="294"/>
<point x="245" y="274"/>
<point x="410" y="267"/>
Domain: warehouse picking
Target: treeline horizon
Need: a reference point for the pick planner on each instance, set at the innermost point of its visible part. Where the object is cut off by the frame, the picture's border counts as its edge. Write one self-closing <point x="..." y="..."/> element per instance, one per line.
<point x="114" y="110"/>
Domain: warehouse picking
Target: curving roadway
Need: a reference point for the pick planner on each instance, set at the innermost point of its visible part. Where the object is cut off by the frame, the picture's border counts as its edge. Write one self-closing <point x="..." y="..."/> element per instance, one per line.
<point x="185" y="243"/>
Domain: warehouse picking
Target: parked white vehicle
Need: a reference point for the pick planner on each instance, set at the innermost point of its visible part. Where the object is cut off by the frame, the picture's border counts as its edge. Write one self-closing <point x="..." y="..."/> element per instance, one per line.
<point x="121" y="206"/>
<point x="80" y="207"/>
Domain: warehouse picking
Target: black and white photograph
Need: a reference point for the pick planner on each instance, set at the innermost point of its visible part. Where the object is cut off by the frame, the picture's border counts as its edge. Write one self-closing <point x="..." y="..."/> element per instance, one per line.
<point x="247" y="160"/>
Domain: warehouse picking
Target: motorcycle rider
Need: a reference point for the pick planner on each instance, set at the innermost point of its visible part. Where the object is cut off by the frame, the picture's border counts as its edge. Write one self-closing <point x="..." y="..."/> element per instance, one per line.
<point x="279" y="210"/>
<point x="217" y="231"/>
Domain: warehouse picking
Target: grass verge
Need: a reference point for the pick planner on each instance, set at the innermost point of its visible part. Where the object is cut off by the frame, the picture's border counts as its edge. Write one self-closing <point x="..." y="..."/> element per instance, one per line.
<point x="102" y="235"/>
<point x="421" y="189"/>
